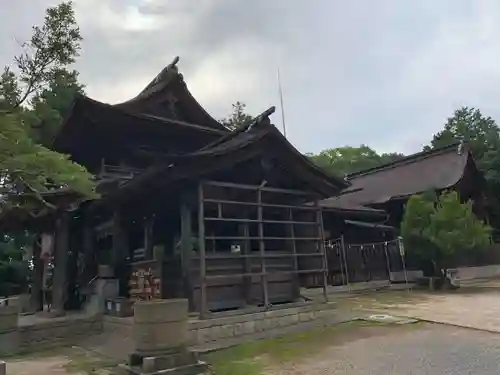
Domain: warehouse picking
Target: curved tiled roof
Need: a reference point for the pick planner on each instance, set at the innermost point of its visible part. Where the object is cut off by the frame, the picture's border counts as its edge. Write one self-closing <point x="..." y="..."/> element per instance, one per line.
<point x="167" y="95"/>
<point x="431" y="170"/>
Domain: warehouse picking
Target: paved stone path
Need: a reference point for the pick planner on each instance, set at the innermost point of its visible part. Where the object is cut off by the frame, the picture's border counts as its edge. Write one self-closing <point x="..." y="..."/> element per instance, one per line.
<point x="479" y="308"/>
<point x="45" y="366"/>
<point x="428" y="350"/>
<point x="422" y="349"/>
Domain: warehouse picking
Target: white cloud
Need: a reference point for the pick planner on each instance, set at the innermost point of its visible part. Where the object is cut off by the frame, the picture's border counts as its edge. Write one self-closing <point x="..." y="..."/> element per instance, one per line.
<point x="387" y="73"/>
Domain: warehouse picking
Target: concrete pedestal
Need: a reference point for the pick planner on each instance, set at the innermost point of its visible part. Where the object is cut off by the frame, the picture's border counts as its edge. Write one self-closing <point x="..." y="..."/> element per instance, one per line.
<point x="160" y="336"/>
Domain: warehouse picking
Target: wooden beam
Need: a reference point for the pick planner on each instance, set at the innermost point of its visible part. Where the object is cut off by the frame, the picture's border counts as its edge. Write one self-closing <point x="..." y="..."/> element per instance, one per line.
<point x="201" y="250"/>
<point x="257" y="187"/>
<point x="272" y="205"/>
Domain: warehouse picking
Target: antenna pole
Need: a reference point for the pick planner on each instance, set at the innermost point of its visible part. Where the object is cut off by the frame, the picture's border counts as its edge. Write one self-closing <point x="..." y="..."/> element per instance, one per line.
<point x="281" y="103"/>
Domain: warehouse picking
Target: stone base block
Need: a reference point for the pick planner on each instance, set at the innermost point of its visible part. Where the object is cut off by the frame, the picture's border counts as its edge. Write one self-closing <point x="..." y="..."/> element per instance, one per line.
<point x="199" y="368"/>
<point x="182" y="362"/>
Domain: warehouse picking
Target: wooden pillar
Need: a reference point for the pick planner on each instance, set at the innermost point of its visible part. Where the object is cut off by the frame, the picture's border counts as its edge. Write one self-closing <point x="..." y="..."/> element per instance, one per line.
<point x="201" y="250"/>
<point x="293" y="244"/>
<point x="186" y="251"/>
<point x="120" y="252"/>
<point x="36" y="300"/>
<point x="322" y="249"/>
<point x="262" y="250"/>
<point x="89" y="248"/>
<point x="59" y="285"/>
<point x="148" y="237"/>
<point x="246" y="251"/>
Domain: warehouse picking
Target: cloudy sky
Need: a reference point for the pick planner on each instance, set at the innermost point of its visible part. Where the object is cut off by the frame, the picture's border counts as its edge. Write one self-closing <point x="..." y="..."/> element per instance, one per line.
<point x="386" y="73"/>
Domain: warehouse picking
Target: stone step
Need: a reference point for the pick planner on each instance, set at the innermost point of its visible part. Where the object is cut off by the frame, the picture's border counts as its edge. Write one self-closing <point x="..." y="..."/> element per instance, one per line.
<point x="198" y="368"/>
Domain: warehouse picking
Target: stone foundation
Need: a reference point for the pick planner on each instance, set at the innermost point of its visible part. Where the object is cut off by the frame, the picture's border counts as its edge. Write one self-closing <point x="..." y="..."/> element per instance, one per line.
<point x="412" y="276"/>
<point x="484" y="272"/>
<point x="46" y="334"/>
<point x="227" y="331"/>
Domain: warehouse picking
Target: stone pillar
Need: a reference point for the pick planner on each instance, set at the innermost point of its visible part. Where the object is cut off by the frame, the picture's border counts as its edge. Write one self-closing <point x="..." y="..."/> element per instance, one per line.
<point x="161" y="335"/>
<point x="59" y="286"/>
<point x="9" y="331"/>
<point x="9" y="315"/>
<point x="160" y="326"/>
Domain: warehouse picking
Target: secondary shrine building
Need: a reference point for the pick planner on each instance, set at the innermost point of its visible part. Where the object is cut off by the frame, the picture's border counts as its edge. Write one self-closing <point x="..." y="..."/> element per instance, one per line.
<point x="187" y="208"/>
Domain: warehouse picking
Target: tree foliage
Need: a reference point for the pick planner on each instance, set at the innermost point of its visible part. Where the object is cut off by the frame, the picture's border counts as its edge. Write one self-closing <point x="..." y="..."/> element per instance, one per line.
<point x="437" y="229"/>
<point x="482" y="134"/>
<point x="31" y="101"/>
<point x="51" y="104"/>
<point x="14" y="270"/>
<point x="238" y="117"/>
<point x="344" y="160"/>
<point x="469" y="124"/>
<point x="52" y="48"/>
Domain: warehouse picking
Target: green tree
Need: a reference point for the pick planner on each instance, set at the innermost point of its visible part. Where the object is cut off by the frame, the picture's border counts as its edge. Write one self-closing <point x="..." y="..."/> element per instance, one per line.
<point x="468" y="124"/>
<point x="238" y="117"/>
<point x="344" y="160"/>
<point x="28" y="169"/>
<point x="14" y="269"/>
<point x="52" y="48"/>
<point x="439" y="229"/>
<point x="483" y="136"/>
<point x="51" y="104"/>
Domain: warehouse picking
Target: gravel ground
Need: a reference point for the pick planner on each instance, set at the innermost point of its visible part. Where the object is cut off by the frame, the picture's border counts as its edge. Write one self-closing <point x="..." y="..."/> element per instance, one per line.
<point x="422" y="349"/>
<point x="426" y="350"/>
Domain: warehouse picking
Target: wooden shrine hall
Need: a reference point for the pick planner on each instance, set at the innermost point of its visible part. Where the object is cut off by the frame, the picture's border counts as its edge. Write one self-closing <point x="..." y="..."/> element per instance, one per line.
<point x="187" y="208"/>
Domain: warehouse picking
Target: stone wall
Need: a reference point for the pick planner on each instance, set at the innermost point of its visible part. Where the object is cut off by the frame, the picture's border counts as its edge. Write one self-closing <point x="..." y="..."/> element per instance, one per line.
<point x="230" y="330"/>
<point x="47" y="334"/>
<point x="484" y="272"/>
<point x="226" y="331"/>
<point x="411" y="276"/>
<point x="464" y="273"/>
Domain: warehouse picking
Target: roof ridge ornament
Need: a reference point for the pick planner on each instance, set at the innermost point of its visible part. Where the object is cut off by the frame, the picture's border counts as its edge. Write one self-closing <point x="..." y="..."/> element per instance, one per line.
<point x="160" y="76"/>
<point x="257" y="120"/>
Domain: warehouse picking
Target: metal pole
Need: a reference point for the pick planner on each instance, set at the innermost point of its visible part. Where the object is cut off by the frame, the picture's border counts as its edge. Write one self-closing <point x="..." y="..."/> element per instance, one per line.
<point x="402" y="253"/>
<point x="339" y="252"/>
<point x="281" y="103"/>
<point x="387" y="261"/>
<point x="342" y="243"/>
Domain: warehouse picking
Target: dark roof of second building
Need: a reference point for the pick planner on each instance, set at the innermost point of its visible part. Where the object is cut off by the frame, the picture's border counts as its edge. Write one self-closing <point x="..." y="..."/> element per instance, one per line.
<point x="436" y="169"/>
